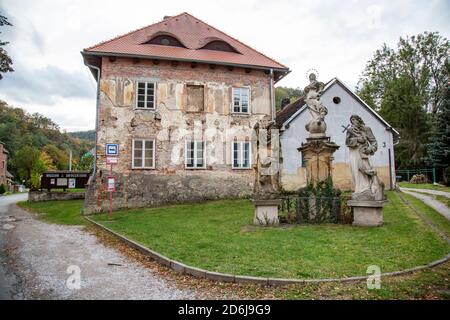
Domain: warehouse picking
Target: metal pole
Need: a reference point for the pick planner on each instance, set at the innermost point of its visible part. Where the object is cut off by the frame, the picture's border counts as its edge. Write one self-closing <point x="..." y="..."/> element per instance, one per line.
<point x="70" y="159"/>
<point x="110" y="197"/>
<point x="434" y="175"/>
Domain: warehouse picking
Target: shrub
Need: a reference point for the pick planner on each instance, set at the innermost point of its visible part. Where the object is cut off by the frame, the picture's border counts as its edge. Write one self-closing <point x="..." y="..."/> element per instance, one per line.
<point x="2" y="188"/>
<point x="35" y="181"/>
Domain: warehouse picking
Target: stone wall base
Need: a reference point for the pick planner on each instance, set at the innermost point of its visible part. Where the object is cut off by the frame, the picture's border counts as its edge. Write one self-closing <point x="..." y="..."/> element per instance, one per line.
<point x="36" y="196"/>
<point x="137" y="190"/>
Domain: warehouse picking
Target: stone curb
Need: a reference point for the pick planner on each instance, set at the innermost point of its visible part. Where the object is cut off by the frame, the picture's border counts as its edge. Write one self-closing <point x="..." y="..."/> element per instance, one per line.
<point x="224" y="277"/>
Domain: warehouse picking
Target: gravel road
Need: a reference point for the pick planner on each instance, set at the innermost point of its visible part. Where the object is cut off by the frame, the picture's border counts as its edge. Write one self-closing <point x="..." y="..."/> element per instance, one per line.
<point x="43" y="261"/>
<point x="435" y="204"/>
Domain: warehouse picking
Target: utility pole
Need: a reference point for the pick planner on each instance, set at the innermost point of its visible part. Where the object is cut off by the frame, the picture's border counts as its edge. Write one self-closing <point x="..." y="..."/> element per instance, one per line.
<point x="70" y="159"/>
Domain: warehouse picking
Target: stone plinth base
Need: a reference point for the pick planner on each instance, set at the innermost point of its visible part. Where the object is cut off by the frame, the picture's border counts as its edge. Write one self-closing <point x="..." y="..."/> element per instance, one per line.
<point x="367" y="213"/>
<point x="266" y="212"/>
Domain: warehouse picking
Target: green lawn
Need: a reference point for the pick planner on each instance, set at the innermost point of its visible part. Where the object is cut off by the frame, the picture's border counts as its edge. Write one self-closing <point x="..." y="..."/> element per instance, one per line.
<point x="423" y="186"/>
<point x="62" y="212"/>
<point x="218" y="236"/>
<point x="429" y="212"/>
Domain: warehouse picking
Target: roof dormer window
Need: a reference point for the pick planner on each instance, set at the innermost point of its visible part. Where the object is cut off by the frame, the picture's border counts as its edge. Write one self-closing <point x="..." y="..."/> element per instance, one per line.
<point x="165" y="40"/>
<point x="219" y="45"/>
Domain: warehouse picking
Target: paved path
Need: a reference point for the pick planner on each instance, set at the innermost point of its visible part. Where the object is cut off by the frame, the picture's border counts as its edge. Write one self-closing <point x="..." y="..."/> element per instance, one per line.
<point x="429" y="191"/>
<point x="435" y="204"/>
<point x="39" y="259"/>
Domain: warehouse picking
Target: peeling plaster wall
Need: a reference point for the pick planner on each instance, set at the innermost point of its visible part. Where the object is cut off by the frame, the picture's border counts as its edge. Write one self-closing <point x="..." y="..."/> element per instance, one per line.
<point x="293" y="176"/>
<point x="170" y="182"/>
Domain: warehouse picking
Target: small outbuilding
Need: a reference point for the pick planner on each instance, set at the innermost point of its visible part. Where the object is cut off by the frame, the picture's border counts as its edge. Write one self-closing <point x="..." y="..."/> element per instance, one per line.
<point x="341" y="103"/>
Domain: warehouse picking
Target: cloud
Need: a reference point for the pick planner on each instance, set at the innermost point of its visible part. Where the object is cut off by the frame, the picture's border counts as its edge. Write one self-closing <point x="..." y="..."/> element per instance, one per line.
<point x="45" y="85"/>
<point x="335" y="37"/>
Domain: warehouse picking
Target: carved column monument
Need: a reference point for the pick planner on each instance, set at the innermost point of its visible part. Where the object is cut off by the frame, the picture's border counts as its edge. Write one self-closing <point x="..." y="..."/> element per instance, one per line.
<point x="319" y="149"/>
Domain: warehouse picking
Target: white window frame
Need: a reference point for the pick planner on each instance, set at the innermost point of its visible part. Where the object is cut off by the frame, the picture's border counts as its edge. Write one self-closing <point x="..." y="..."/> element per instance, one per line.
<point x="241" y="152"/>
<point x="145" y="97"/>
<point x="143" y="153"/>
<point x="240" y="100"/>
<point x="195" y="154"/>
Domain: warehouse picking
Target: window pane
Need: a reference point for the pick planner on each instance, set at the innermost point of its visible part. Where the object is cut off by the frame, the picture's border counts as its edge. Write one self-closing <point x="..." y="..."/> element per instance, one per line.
<point x="246" y="162"/>
<point x="236" y="154"/>
<point x="137" y="163"/>
<point x="141" y="85"/>
<point x="148" y="153"/>
<point x="150" y="104"/>
<point x="141" y="91"/>
<point x="190" y="154"/>
<point x="148" y="162"/>
<point x="137" y="144"/>
<point x="149" y="145"/>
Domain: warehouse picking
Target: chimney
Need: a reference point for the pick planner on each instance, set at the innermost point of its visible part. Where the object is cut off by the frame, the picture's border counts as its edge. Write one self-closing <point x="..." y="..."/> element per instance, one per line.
<point x="167" y="17"/>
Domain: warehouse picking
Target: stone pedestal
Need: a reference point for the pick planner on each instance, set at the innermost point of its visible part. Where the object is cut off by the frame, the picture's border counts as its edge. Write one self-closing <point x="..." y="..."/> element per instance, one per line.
<point x="367" y="213"/>
<point x="266" y="212"/>
<point x="318" y="154"/>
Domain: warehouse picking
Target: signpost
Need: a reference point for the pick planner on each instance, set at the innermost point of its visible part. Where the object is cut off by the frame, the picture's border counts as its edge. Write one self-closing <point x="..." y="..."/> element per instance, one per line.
<point x="112" y="149"/>
<point x="112" y="152"/>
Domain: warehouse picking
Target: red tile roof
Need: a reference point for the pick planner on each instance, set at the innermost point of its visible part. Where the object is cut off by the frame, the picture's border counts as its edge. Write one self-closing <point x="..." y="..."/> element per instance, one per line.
<point x="193" y="34"/>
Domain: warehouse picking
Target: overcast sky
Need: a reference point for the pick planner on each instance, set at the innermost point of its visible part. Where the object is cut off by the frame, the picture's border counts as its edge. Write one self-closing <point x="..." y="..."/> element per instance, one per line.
<point x="334" y="37"/>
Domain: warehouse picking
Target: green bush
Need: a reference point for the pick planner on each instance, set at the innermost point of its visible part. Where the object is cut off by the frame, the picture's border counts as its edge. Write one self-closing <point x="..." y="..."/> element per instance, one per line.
<point x="35" y="181"/>
<point x="2" y="188"/>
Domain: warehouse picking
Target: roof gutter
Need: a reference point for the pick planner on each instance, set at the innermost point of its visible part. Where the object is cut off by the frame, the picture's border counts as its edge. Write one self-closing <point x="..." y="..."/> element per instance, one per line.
<point x="124" y="55"/>
<point x="97" y="103"/>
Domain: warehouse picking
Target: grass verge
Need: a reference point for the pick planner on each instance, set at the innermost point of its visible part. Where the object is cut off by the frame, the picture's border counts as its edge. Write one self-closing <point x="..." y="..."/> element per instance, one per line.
<point x="428" y="186"/>
<point x="67" y="212"/>
<point x="218" y="236"/>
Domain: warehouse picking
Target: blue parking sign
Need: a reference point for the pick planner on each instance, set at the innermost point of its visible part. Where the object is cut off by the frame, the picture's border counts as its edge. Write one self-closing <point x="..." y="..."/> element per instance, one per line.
<point x="112" y="149"/>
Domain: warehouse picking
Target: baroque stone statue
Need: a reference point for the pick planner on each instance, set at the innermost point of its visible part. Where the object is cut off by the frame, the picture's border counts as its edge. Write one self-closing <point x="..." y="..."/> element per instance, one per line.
<point x="266" y="178"/>
<point x="317" y="126"/>
<point x="363" y="144"/>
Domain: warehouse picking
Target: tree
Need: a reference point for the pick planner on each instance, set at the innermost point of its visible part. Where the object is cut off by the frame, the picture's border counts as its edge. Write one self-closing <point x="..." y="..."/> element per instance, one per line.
<point x="286" y="92"/>
<point x="5" y="59"/>
<point x="405" y="86"/>
<point x="86" y="162"/>
<point x="28" y="163"/>
<point x="439" y="146"/>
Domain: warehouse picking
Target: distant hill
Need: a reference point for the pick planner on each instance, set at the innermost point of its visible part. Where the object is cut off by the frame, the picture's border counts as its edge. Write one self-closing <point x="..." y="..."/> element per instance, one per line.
<point x="86" y="135"/>
<point x="35" y="143"/>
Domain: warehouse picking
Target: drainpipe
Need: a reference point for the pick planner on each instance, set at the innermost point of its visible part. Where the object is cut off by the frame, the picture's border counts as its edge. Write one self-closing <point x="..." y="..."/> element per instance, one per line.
<point x="96" y="114"/>
<point x="272" y="104"/>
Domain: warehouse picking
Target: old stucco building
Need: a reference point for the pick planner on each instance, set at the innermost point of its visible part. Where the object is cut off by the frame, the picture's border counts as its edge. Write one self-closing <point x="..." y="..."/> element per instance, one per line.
<point x="5" y="176"/>
<point x="341" y="103"/>
<point x="180" y="98"/>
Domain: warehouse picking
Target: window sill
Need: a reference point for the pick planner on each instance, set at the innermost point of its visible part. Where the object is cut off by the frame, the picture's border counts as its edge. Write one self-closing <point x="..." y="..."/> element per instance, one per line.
<point x="236" y="168"/>
<point x="237" y="114"/>
<point x="145" y="109"/>
<point x="149" y="168"/>
<point x="204" y="168"/>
